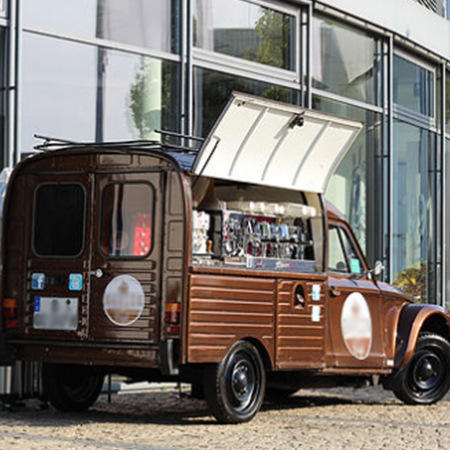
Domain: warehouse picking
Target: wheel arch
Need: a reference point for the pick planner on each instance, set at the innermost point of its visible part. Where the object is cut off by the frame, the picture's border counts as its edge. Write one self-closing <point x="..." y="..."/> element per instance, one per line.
<point x="265" y="356"/>
<point x="415" y="319"/>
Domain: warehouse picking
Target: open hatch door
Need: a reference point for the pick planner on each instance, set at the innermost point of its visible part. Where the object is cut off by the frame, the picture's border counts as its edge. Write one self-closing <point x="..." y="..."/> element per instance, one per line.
<point x="275" y="144"/>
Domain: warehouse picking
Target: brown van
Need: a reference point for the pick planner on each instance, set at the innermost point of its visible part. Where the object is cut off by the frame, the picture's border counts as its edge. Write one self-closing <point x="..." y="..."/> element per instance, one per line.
<point x="224" y="268"/>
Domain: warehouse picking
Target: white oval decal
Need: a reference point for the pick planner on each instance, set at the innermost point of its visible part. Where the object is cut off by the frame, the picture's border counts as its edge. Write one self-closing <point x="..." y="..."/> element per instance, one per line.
<point x="356" y="325"/>
<point x="123" y="300"/>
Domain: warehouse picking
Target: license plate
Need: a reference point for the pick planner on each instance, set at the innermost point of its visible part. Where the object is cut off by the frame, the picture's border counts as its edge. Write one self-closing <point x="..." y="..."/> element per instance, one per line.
<point x="55" y="313"/>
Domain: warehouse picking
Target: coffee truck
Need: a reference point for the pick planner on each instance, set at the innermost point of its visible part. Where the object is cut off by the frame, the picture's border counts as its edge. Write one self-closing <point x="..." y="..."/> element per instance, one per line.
<point x="223" y="267"/>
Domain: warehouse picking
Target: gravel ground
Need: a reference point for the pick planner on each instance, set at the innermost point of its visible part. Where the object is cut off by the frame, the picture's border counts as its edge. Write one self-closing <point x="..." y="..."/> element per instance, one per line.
<point x="322" y="419"/>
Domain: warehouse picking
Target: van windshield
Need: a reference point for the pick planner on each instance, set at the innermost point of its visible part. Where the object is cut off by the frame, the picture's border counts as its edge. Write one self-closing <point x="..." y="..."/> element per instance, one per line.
<point x="59" y="219"/>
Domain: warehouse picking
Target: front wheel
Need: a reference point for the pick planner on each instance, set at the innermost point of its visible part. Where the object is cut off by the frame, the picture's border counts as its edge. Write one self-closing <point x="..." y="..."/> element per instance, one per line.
<point x="426" y="379"/>
<point x="71" y="388"/>
<point x="234" y="388"/>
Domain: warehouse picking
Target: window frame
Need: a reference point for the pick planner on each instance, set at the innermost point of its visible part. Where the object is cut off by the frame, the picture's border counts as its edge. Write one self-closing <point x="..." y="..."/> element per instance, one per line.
<point x="343" y="230"/>
<point x="405" y="113"/>
<point x="33" y="234"/>
<point x="100" y="222"/>
<point x="213" y="60"/>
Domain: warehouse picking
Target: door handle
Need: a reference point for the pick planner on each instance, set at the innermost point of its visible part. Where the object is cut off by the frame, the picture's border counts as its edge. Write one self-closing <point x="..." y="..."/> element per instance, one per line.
<point x="97" y="273"/>
<point x="334" y="292"/>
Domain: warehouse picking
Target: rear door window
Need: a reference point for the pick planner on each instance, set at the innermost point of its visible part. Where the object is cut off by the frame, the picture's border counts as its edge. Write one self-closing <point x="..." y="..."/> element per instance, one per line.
<point x="126" y="228"/>
<point x="59" y="220"/>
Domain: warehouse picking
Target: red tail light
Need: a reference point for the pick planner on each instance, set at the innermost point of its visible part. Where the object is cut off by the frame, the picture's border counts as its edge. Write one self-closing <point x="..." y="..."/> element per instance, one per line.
<point x="173" y="317"/>
<point x="9" y="308"/>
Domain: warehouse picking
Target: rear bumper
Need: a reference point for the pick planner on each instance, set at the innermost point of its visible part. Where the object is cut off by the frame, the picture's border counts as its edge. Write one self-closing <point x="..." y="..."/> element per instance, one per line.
<point x="96" y="354"/>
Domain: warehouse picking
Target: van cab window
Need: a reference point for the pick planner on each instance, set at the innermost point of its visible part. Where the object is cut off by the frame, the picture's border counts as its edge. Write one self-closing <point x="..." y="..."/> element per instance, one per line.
<point x="342" y="253"/>
<point x="59" y="219"/>
<point x="127" y="220"/>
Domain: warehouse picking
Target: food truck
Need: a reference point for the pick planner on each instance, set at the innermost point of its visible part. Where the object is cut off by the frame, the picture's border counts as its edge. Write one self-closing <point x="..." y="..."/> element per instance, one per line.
<point x="223" y="267"/>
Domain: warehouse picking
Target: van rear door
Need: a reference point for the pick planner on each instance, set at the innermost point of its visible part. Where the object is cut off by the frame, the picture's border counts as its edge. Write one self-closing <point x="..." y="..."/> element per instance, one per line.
<point x="94" y="258"/>
<point x="126" y="257"/>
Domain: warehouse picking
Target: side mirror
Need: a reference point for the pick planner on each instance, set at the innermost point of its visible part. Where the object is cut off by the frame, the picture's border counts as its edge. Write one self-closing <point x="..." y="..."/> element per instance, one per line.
<point x="378" y="269"/>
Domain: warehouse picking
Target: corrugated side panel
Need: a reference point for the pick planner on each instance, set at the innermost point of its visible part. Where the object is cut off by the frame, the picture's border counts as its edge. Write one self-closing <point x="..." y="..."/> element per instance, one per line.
<point x="225" y="309"/>
<point x="300" y="332"/>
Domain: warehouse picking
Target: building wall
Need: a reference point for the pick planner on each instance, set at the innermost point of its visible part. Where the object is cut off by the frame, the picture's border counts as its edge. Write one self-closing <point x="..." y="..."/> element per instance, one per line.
<point x="95" y="70"/>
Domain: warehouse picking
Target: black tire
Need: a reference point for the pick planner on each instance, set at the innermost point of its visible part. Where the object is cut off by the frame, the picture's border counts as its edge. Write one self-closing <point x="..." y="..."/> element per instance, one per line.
<point x="71" y="388"/>
<point x="426" y="379"/>
<point x="234" y="388"/>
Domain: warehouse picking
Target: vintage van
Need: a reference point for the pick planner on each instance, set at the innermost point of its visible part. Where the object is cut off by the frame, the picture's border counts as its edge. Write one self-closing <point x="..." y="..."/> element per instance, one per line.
<point x="223" y="267"/>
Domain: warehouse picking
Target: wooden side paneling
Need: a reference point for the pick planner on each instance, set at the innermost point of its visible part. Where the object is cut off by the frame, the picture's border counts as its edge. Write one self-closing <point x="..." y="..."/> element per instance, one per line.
<point x="300" y="339"/>
<point x="225" y="309"/>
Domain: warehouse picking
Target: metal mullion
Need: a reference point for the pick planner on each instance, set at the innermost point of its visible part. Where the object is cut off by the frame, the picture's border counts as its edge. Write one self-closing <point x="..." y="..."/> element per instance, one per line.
<point x="308" y="95"/>
<point x="347" y="100"/>
<point x="211" y="65"/>
<point x="231" y="63"/>
<point x="112" y="45"/>
<point x="390" y="141"/>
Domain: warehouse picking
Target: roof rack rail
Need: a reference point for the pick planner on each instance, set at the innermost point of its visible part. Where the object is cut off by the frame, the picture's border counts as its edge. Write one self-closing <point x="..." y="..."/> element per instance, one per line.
<point x="51" y="143"/>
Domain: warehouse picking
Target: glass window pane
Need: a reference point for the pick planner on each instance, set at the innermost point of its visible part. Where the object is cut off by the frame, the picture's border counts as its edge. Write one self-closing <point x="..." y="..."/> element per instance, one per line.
<point x="354" y="189"/>
<point x="245" y="30"/>
<point x="345" y="61"/>
<point x="127" y="220"/>
<point x="336" y="255"/>
<point x="84" y="93"/>
<point x="213" y="90"/>
<point x="136" y="22"/>
<point x="59" y="214"/>
<point x="412" y="209"/>
<point x="413" y="86"/>
<point x="356" y="265"/>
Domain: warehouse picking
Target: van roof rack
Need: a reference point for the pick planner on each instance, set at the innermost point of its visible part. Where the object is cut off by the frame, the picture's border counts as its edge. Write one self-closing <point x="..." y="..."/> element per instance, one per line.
<point x="52" y="143"/>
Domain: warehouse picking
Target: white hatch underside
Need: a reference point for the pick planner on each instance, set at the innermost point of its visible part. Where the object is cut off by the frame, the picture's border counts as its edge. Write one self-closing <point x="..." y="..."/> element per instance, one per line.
<point x="274" y="144"/>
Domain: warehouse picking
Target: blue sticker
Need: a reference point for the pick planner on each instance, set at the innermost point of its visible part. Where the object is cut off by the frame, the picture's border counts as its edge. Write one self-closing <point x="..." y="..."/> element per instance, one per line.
<point x="75" y="282"/>
<point x="355" y="265"/>
<point x="316" y="292"/>
<point x="37" y="304"/>
<point x="37" y="281"/>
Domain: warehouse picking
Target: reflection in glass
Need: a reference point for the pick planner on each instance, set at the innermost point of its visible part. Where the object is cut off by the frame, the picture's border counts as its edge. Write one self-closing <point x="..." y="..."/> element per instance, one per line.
<point x="83" y="93"/>
<point x="127" y="219"/>
<point x="245" y="30"/>
<point x="412" y="200"/>
<point x="345" y="61"/>
<point x="413" y="86"/>
<point x="213" y="90"/>
<point x="137" y="22"/>
<point x="350" y="189"/>
<point x="447" y="103"/>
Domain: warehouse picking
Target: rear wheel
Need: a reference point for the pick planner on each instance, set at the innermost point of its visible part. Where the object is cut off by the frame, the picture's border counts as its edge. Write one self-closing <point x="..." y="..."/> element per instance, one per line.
<point x="426" y="379"/>
<point x="71" y="388"/>
<point x="234" y="388"/>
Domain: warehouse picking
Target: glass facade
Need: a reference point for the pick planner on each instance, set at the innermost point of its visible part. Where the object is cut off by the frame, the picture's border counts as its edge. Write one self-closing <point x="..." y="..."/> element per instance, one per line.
<point x="351" y="188"/>
<point x="81" y="92"/>
<point x="246" y="30"/>
<point x="345" y="61"/>
<point x="412" y="199"/>
<point x="96" y="70"/>
<point x="413" y="86"/>
<point x="213" y="89"/>
<point x="123" y="21"/>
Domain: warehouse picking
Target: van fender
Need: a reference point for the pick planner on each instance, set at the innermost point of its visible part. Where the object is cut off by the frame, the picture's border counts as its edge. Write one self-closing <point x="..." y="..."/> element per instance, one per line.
<point x="414" y="319"/>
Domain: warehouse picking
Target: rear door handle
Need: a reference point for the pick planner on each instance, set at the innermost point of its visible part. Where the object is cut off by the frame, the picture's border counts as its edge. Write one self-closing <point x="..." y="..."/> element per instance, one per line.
<point x="334" y="292"/>
<point x="97" y="273"/>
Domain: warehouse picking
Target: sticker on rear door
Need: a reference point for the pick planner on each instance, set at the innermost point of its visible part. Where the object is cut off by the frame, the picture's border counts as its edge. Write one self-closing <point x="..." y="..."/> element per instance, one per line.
<point x="123" y="300"/>
<point x="356" y="325"/>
